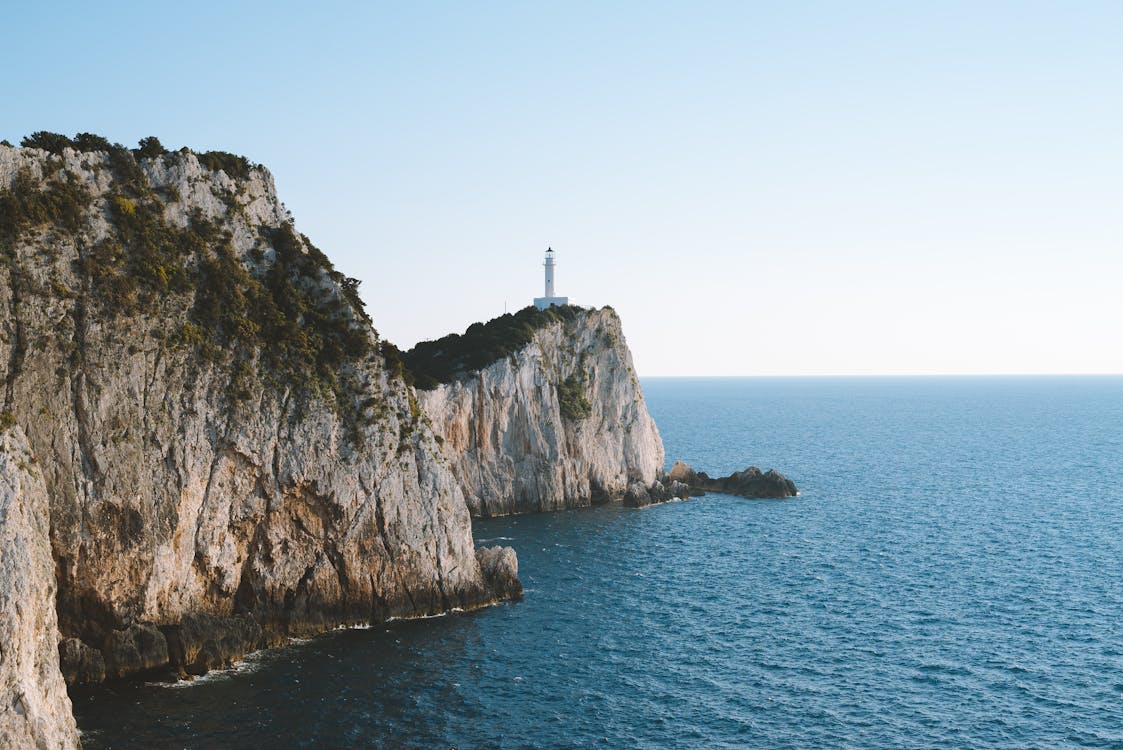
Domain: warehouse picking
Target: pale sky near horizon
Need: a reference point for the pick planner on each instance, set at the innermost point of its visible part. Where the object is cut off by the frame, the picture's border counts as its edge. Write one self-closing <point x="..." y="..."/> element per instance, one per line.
<point x="757" y="188"/>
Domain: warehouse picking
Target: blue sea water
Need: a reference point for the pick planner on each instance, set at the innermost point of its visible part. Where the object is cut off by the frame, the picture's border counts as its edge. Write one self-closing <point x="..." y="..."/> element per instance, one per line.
<point x="951" y="576"/>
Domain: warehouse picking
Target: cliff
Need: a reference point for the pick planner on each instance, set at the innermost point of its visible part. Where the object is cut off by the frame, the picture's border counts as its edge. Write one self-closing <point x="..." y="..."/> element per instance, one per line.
<point x="34" y="710"/>
<point x="223" y="457"/>
<point x="558" y="422"/>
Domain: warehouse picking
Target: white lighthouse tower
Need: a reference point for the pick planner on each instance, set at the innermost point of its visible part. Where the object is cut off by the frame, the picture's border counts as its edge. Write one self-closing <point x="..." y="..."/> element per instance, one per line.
<point x="549" y="300"/>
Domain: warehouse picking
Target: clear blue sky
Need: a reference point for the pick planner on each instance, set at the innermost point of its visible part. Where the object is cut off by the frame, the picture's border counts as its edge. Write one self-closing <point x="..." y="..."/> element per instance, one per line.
<point x="757" y="188"/>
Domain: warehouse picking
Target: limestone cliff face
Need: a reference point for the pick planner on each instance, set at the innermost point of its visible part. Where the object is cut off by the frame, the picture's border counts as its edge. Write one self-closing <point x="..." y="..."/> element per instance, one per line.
<point x="517" y="442"/>
<point x="35" y="710"/>
<point x="206" y="494"/>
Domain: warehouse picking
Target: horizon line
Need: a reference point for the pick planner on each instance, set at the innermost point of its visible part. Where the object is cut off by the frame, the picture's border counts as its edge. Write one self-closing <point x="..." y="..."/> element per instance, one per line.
<point x="909" y="375"/>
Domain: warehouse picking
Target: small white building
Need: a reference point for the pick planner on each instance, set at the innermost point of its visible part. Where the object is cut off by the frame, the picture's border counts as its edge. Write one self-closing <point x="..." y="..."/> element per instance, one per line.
<point x="549" y="300"/>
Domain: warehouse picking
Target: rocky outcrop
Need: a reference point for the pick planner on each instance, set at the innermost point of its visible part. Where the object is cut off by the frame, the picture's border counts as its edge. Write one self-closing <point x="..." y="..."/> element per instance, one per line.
<point x="80" y="664"/>
<point x="640" y="495"/>
<point x="682" y="472"/>
<point x="35" y="711"/>
<point x="751" y="483"/>
<point x="137" y="648"/>
<point x="517" y="443"/>
<point x="228" y="458"/>
<point x="202" y="642"/>
<point x="501" y="569"/>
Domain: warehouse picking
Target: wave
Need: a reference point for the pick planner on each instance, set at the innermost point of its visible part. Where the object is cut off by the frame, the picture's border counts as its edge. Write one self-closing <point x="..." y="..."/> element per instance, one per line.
<point x="248" y="664"/>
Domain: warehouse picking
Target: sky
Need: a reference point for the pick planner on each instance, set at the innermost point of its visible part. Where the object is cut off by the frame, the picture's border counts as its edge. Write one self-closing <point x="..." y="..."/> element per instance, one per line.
<point x="758" y="188"/>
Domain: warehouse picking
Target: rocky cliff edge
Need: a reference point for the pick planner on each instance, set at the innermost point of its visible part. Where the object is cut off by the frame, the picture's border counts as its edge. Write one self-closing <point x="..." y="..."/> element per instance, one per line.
<point x="559" y="423"/>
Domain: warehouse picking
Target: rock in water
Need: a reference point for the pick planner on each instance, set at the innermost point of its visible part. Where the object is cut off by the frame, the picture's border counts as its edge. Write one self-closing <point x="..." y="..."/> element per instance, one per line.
<point x="677" y="489"/>
<point x="35" y="710"/>
<point x="750" y="483"/>
<point x="638" y="495"/>
<point x="681" y="472"/>
<point x="501" y="569"/>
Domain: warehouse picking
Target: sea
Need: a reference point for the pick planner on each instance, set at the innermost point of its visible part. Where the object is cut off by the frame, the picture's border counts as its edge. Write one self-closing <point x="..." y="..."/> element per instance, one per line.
<point x="950" y="576"/>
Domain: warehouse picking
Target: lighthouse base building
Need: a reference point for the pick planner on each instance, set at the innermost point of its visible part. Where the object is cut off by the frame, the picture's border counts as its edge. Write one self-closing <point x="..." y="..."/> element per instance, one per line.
<point x="549" y="300"/>
<point x="543" y="302"/>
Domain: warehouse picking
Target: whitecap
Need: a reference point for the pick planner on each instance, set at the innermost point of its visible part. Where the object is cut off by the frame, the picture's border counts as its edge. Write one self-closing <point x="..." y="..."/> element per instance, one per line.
<point x="248" y="664"/>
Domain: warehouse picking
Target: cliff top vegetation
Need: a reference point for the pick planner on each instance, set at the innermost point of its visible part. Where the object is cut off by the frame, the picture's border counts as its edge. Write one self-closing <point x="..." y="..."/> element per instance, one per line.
<point x="449" y="357"/>
<point x="237" y="167"/>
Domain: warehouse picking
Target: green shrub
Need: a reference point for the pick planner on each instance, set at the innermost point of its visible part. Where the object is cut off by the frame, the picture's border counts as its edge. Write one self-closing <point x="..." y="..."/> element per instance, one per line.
<point x="574" y="403"/>
<point x="105" y="268"/>
<point x="237" y="167"/>
<point x="150" y="148"/>
<point x="48" y="141"/>
<point x="350" y="287"/>
<point x="27" y="204"/>
<point x="304" y="336"/>
<point x="189" y="336"/>
<point x="392" y="357"/>
<point x="457" y="355"/>
<point x="89" y="142"/>
<point x="121" y="160"/>
<point x="56" y="142"/>
<point x="124" y="205"/>
<point x="130" y="176"/>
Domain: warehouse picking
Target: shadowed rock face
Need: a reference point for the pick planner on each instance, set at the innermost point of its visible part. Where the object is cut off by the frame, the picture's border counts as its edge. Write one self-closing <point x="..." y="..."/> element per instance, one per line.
<point x="751" y="483"/>
<point x="201" y="504"/>
<point x="200" y="643"/>
<point x="137" y="648"/>
<point x="80" y="664"/>
<point x="510" y="443"/>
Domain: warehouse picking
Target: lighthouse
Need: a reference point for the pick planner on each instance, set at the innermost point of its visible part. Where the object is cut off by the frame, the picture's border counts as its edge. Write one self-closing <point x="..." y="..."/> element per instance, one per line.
<point x="549" y="299"/>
